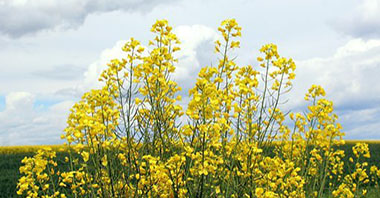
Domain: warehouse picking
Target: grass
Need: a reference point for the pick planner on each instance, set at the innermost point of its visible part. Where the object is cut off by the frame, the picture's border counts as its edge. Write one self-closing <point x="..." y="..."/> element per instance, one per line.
<point x="9" y="172"/>
<point x="373" y="193"/>
<point x="10" y="161"/>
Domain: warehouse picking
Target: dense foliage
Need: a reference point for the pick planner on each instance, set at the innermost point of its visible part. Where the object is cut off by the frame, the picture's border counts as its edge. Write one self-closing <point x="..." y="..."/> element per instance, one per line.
<point x="127" y="140"/>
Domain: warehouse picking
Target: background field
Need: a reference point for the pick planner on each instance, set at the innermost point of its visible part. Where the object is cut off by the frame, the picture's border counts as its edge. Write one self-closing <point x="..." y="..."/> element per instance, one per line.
<point x="10" y="161"/>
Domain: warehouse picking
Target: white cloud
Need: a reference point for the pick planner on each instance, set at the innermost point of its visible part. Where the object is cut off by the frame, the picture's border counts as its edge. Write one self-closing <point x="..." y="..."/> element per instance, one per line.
<point x="197" y="50"/>
<point x="19" y="100"/>
<point x="23" y="124"/>
<point x="21" y="17"/>
<point x="94" y="70"/>
<point x="356" y="46"/>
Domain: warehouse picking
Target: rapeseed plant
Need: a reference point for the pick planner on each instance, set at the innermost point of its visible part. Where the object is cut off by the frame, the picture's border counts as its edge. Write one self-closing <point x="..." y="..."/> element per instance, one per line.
<point x="126" y="139"/>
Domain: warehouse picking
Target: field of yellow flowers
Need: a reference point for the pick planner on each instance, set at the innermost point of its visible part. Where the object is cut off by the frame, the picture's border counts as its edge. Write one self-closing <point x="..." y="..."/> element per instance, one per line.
<point x="126" y="139"/>
<point x="11" y="156"/>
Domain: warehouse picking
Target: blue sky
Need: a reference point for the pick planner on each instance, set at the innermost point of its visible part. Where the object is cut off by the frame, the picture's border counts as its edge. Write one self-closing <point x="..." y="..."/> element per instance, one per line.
<point x="53" y="51"/>
<point x="2" y="103"/>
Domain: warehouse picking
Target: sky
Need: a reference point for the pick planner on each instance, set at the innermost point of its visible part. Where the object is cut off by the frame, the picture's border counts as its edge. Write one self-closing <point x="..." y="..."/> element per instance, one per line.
<point x="52" y="51"/>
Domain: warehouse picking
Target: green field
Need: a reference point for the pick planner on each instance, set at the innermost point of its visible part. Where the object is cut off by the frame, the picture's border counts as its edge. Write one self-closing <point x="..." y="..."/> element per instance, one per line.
<point x="10" y="163"/>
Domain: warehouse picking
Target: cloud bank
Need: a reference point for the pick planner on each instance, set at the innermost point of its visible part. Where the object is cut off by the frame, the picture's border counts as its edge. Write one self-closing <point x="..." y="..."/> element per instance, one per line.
<point x="50" y="68"/>
<point x="23" y="122"/>
<point x="24" y="17"/>
<point x="350" y="78"/>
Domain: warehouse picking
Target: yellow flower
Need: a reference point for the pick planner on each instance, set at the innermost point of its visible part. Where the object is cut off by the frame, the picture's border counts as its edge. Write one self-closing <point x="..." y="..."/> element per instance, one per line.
<point x="259" y="192"/>
<point x="85" y="156"/>
<point x="104" y="160"/>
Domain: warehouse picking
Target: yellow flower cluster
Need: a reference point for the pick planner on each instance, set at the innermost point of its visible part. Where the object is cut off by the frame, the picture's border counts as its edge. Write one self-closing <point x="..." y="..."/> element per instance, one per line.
<point x="352" y="183"/>
<point x="39" y="172"/>
<point x="126" y="139"/>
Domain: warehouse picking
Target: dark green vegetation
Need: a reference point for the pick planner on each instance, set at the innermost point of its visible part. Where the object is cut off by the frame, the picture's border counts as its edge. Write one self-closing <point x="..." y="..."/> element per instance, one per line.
<point x="9" y="171"/>
<point x="374" y="148"/>
<point x="10" y="163"/>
